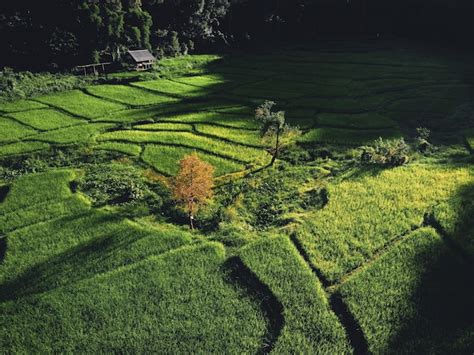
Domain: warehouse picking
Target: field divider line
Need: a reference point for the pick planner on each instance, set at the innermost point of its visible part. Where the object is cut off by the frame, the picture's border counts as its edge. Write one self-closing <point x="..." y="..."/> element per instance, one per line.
<point x="209" y="123"/>
<point x="351" y="326"/>
<point x="178" y="145"/>
<point x="368" y="262"/>
<point x="60" y="109"/>
<point x="23" y="123"/>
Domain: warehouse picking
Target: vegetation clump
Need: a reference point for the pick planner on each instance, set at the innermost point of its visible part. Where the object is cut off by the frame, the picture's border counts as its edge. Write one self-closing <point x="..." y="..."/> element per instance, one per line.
<point x="386" y="153"/>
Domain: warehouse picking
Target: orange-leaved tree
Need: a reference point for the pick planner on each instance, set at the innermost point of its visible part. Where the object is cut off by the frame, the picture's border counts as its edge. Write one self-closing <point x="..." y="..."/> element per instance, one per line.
<point x="193" y="184"/>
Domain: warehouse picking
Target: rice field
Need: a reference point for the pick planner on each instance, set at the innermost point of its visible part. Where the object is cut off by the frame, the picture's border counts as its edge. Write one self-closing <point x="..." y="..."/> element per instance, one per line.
<point x="358" y="266"/>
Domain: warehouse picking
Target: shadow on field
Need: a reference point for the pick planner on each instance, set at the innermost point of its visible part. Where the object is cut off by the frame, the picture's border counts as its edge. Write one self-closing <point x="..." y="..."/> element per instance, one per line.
<point x="4" y="190"/>
<point x="444" y="298"/>
<point x="238" y="274"/>
<point x="90" y="258"/>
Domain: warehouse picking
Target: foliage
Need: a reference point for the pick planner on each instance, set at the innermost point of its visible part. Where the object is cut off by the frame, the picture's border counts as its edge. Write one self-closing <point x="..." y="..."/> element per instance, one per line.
<point x="192" y="186"/>
<point x="423" y="144"/>
<point x="386" y="153"/>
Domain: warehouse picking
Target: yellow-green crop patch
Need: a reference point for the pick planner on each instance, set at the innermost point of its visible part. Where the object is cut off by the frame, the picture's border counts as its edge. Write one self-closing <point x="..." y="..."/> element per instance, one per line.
<point x="347" y="136"/>
<point x="22" y="148"/>
<point x="166" y="160"/>
<point x="12" y="131"/>
<point x="20" y="105"/>
<point x="190" y="140"/>
<point x="129" y="95"/>
<point x="78" y="103"/>
<point x="217" y="118"/>
<point x="373" y="210"/>
<point x="126" y="148"/>
<point x="233" y="134"/>
<point x="45" y="119"/>
<point x="394" y="299"/>
<point x="165" y="126"/>
<point x="83" y="133"/>
<point x="172" y="88"/>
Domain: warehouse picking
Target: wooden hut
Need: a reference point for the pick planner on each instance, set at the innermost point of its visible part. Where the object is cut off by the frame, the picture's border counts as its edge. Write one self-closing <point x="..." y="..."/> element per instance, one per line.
<point x="142" y="59"/>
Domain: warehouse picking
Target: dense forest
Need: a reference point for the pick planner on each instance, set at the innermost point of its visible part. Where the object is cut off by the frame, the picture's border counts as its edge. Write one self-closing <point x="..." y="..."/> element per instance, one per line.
<point x="62" y="33"/>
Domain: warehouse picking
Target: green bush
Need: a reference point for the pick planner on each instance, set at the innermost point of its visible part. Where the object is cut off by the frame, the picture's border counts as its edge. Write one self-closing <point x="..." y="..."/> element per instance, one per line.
<point x="386" y="153"/>
<point x="16" y="85"/>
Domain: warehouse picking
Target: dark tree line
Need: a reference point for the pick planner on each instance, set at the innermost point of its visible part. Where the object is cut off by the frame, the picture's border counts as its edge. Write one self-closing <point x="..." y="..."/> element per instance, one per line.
<point x="67" y="32"/>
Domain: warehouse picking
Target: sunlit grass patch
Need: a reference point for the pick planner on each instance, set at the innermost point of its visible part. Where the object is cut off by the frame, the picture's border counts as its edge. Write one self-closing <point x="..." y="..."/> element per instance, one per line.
<point x="232" y="134"/>
<point x="165" y="126"/>
<point x="45" y="119"/>
<point x="194" y="310"/>
<point x="166" y="160"/>
<point x="347" y="136"/>
<point x="373" y="210"/>
<point x="22" y="148"/>
<point x="76" y="134"/>
<point x="189" y="140"/>
<point x="20" y="105"/>
<point x="12" y="130"/>
<point x="172" y="88"/>
<point x="227" y="119"/>
<point x="126" y="148"/>
<point x="129" y="95"/>
<point x="78" y="103"/>
<point x="363" y="120"/>
<point x="393" y="298"/>
<point x="309" y="325"/>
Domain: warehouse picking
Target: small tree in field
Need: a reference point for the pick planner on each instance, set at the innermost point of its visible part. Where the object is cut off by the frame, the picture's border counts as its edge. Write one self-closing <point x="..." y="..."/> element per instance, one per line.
<point x="274" y="128"/>
<point x="193" y="184"/>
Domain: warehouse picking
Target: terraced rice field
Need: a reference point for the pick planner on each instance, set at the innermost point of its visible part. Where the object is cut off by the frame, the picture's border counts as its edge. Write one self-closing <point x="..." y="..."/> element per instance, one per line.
<point x="382" y="266"/>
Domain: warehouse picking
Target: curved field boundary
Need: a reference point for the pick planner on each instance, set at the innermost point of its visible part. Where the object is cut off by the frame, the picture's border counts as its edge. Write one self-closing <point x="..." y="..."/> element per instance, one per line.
<point x="309" y="324"/>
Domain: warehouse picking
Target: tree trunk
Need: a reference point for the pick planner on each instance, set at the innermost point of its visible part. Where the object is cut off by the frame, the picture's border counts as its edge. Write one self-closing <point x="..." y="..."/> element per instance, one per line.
<point x="277" y="148"/>
<point x="191" y="221"/>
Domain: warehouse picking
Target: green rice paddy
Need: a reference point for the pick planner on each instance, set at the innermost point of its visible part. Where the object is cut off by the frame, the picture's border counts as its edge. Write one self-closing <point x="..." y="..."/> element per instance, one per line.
<point x="371" y="260"/>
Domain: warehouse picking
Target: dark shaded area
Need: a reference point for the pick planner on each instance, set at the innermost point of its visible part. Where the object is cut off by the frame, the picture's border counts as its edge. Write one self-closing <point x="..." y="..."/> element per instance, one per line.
<point x="3" y="247"/>
<point x="4" y="190"/>
<point x="237" y="273"/>
<point x="86" y="31"/>
<point x="444" y="318"/>
<point x="352" y="327"/>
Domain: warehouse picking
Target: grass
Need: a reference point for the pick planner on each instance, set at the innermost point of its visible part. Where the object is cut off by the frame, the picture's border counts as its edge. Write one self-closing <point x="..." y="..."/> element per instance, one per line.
<point x="216" y="118"/>
<point x="373" y="210"/>
<point x="193" y="308"/>
<point x="232" y="134"/>
<point x="414" y="299"/>
<point x="129" y="95"/>
<point x="309" y="325"/>
<point x="165" y="160"/>
<point x="77" y="134"/>
<point x="470" y="140"/>
<point x="362" y="121"/>
<point x="189" y="140"/>
<point x="78" y="103"/>
<point x="20" y="105"/>
<point x="345" y="136"/>
<point x="45" y="119"/>
<point x="126" y="148"/>
<point x="22" y="148"/>
<point x="172" y="88"/>
<point x="12" y="131"/>
<point x="165" y="126"/>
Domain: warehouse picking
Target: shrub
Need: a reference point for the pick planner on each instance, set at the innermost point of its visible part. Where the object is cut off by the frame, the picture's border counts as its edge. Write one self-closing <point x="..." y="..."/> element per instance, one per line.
<point x="386" y="152"/>
<point x="423" y="144"/>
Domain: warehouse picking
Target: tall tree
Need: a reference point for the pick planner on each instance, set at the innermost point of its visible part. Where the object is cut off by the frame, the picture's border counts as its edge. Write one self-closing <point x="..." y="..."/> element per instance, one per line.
<point x="274" y="128"/>
<point x="193" y="184"/>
